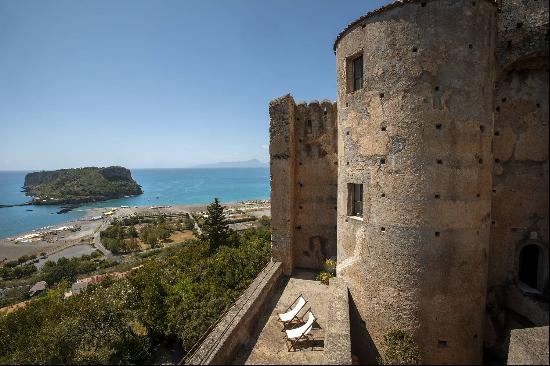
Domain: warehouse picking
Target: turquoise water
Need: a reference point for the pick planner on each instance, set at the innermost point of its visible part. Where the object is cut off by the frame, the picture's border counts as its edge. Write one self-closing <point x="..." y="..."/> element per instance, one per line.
<point x="160" y="187"/>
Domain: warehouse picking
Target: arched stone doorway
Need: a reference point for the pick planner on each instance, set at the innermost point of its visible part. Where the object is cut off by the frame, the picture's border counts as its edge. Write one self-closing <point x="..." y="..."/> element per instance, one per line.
<point x="531" y="266"/>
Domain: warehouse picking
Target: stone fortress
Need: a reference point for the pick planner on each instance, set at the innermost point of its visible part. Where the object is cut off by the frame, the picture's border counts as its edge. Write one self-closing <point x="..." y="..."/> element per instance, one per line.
<point x="428" y="179"/>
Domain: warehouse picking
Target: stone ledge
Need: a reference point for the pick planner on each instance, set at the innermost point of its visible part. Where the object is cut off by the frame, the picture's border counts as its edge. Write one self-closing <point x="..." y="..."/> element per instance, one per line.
<point x="337" y="336"/>
<point x="528" y="346"/>
<point x="234" y="328"/>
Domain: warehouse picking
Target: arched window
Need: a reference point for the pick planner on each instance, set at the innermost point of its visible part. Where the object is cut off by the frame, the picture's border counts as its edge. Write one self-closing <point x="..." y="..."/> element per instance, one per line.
<point x="531" y="266"/>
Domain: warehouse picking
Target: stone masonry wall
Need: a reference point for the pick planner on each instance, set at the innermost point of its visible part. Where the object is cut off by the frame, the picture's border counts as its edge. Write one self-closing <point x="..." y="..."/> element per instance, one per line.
<point x="418" y="137"/>
<point x="303" y="174"/>
<point x="520" y="141"/>
<point x="282" y="159"/>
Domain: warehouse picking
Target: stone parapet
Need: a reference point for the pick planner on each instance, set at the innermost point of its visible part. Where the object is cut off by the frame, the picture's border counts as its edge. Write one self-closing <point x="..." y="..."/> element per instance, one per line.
<point x="235" y="327"/>
<point x="337" y="336"/>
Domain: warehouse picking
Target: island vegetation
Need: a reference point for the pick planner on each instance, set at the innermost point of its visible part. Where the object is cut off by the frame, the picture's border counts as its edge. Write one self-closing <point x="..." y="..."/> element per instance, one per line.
<point x="172" y="298"/>
<point x="74" y="186"/>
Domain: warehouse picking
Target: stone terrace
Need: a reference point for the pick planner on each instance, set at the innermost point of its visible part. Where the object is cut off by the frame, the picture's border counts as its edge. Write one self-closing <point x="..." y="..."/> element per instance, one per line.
<point x="267" y="343"/>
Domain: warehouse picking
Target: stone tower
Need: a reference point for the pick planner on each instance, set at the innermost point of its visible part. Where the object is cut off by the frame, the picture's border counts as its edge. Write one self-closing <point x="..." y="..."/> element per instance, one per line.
<point x="304" y="168"/>
<point x="416" y="138"/>
<point x="441" y="177"/>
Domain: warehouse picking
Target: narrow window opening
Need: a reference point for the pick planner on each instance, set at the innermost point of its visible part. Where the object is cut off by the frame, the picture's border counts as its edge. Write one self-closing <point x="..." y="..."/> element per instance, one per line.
<point x="423" y="4"/>
<point x="437" y="88"/>
<point x="498" y="109"/>
<point x="509" y="44"/>
<point x="538" y="105"/>
<point x="309" y="127"/>
<point x="439" y="161"/>
<point x="415" y="49"/>
<point x="482" y="128"/>
<point x="439" y="126"/>
<point x="437" y="196"/>
<point x="470" y="46"/>
<point x="437" y="233"/>
<point x="478" y="195"/>
<point x="480" y="161"/>
<point x="357" y="65"/>
<point x="355" y="199"/>
<point x="497" y="133"/>
<point x="504" y="100"/>
<point x="497" y="160"/>
<point x="519" y="25"/>
<point x="441" y="344"/>
<point x="530" y="266"/>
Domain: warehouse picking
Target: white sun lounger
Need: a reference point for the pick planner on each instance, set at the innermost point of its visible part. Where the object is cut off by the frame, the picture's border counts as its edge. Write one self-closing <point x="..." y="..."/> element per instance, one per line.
<point x="292" y="312"/>
<point x="295" y="335"/>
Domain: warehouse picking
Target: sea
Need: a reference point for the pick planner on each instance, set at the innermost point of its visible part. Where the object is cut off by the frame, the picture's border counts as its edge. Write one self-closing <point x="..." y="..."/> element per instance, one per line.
<point x="160" y="187"/>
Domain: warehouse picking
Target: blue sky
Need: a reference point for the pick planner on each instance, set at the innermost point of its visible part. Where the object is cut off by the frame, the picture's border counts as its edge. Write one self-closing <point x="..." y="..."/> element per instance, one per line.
<point x="157" y="84"/>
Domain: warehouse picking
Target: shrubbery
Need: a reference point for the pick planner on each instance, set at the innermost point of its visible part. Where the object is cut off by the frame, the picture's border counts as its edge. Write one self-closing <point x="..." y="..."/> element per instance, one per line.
<point x="118" y="239"/>
<point x="177" y="295"/>
<point x="68" y="269"/>
<point x="400" y="349"/>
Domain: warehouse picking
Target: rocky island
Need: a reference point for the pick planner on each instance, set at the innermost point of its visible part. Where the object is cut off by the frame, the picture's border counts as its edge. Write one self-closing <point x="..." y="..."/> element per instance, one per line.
<point x="81" y="185"/>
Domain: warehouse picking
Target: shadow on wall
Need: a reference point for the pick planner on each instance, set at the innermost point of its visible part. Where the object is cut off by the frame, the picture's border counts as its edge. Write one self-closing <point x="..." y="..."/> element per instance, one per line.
<point x="362" y="345"/>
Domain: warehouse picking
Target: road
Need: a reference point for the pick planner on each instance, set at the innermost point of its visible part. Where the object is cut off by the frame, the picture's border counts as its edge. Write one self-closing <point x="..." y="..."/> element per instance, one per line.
<point x="97" y="240"/>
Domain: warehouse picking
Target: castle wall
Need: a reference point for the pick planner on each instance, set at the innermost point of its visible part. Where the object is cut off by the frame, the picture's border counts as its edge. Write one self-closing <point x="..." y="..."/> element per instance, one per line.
<point x="520" y="142"/>
<point x="520" y="175"/>
<point x="418" y="137"/>
<point x="303" y="173"/>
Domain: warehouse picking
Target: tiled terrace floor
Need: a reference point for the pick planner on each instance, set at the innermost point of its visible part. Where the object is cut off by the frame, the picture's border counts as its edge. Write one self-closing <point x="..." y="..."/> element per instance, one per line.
<point x="267" y="344"/>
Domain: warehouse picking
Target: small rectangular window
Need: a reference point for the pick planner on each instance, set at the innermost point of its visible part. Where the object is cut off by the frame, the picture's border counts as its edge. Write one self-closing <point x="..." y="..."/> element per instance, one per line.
<point x="355" y="196"/>
<point x="357" y="73"/>
<point x="309" y="127"/>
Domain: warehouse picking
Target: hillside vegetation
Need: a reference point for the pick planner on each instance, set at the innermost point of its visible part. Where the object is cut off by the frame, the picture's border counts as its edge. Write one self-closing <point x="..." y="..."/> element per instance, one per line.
<point x="80" y="185"/>
<point x="174" y="297"/>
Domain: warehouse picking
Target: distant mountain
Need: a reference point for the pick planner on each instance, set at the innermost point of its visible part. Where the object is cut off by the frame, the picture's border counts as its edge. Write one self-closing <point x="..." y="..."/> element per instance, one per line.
<point x="252" y="163"/>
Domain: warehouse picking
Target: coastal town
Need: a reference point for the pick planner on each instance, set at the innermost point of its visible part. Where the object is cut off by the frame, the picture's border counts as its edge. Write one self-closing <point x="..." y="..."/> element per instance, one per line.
<point x="82" y="238"/>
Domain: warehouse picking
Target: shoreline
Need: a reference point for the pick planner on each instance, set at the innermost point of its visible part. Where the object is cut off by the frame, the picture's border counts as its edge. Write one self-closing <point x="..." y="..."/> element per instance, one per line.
<point x="55" y="238"/>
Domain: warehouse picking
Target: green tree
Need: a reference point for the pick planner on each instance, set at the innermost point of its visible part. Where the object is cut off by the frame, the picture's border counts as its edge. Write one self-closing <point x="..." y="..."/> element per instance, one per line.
<point x="63" y="269"/>
<point x="215" y="230"/>
<point x="132" y="232"/>
<point x="11" y="264"/>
